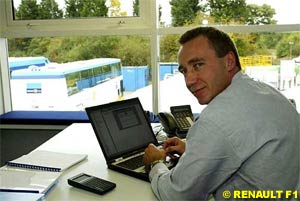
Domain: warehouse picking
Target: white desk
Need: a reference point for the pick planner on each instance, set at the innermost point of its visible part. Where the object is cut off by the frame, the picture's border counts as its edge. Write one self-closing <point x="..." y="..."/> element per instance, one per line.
<point x="80" y="138"/>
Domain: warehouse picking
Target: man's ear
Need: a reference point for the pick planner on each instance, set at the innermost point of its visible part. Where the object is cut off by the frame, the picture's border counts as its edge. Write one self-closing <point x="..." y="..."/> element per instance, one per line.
<point x="230" y="61"/>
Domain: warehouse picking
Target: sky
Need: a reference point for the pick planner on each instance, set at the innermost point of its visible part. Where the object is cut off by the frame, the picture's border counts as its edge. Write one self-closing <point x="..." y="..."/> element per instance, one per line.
<point x="287" y="11"/>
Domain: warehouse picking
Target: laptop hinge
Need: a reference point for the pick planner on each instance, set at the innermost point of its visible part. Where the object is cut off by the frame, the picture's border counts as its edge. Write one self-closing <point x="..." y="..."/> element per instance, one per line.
<point x="133" y="153"/>
<point x="118" y="159"/>
<point x="126" y="158"/>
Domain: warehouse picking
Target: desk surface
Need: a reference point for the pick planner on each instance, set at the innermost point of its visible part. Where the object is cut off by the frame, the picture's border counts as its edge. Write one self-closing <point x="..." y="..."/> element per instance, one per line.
<point x="80" y="138"/>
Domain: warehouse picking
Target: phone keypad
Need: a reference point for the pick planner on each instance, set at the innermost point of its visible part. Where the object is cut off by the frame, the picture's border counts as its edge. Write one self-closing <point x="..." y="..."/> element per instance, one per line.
<point x="181" y="118"/>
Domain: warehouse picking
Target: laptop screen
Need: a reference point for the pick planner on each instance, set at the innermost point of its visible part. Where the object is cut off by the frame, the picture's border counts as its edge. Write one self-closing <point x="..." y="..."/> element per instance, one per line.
<point x="121" y="127"/>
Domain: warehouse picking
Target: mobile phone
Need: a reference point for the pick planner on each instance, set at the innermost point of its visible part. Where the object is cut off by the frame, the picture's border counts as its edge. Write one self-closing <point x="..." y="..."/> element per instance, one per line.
<point x="91" y="183"/>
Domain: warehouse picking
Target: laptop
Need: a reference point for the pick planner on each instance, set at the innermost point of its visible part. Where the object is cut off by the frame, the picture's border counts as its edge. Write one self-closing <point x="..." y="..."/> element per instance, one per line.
<point x="123" y="132"/>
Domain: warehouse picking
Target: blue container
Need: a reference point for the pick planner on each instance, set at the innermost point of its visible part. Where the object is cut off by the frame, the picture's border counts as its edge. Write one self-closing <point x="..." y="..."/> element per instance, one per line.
<point x="135" y="77"/>
<point x="174" y="67"/>
<point x="167" y="68"/>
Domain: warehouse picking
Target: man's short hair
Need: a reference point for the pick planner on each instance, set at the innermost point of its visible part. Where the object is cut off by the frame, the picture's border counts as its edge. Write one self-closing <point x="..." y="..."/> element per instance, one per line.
<point x="219" y="40"/>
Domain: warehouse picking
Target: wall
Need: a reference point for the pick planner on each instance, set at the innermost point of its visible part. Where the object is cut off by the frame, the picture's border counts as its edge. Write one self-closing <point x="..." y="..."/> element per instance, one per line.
<point x="16" y="140"/>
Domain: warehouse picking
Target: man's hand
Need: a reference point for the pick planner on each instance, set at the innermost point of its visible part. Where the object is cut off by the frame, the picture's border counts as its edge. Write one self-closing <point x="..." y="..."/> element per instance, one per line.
<point x="174" y="146"/>
<point x="152" y="153"/>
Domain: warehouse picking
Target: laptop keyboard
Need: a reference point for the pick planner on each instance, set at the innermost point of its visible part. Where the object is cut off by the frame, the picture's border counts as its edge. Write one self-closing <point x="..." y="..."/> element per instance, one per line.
<point x="133" y="163"/>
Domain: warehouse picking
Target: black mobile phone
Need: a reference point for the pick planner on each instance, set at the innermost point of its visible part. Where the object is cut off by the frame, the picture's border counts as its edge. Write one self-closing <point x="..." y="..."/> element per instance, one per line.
<point x="91" y="183"/>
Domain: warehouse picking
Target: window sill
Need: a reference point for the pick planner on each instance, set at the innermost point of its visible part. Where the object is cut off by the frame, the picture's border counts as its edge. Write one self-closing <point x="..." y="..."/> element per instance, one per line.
<point x="44" y="117"/>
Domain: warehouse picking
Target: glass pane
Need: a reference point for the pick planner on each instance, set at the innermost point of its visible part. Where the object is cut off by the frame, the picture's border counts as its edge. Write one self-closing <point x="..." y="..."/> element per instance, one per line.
<point x="272" y="58"/>
<point x="248" y="12"/>
<point x="61" y="9"/>
<point x="71" y="80"/>
<point x="71" y="73"/>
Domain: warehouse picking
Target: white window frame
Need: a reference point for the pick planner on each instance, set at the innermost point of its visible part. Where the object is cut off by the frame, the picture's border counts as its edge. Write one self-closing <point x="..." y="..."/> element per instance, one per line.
<point x="77" y="27"/>
<point x="142" y="25"/>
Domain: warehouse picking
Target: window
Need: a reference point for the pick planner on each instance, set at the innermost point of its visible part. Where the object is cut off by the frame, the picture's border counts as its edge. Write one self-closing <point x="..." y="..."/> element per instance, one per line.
<point x="261" y="55"/>
<point x="271" y="36"/>
<point x="248" y="12"/>
<point x="36" y="20"/>
<point x="61" y="9"/>
<point x="73" y="77"/>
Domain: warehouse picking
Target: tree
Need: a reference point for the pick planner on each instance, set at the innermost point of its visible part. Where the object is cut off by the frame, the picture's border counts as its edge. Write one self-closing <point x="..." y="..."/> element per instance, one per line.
<point x="227" y="11"/>
<point x="28" y="10"/>
<point x="18" y="47"/>
<point x="39" y="46"/>
<point x="257" y="15"/>
<point x="93" y="8"/>
<point x="72" y="8"/>
<point x="269" y="40"/>
<point x="134" y="51"/>
<point x="245" y="43"/>
<point x="238" y="12"/>
<point x="49" y="10"/>
<point x="86" y="8"/>
<point x="184" y="11"/>
<point x="169" y="47"/>
<point x="136" y="8"/>
<point x="290" y="42"/>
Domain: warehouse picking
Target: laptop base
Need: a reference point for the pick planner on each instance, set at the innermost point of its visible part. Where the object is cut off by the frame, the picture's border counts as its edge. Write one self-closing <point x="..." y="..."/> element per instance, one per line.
<point x="138" y="175"/>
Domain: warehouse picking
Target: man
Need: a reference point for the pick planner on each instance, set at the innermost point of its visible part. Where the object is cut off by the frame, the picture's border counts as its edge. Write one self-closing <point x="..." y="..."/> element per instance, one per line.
<point x="247" y="138"/>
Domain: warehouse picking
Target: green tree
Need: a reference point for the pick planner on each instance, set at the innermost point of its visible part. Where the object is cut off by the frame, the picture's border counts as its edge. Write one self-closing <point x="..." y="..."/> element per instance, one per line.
<point x="133" y="51"/>
<point x="18" y="47"/>
<point x="257" y="15"/>
<point x="96" y="47"/>
<point x="72" y="8"/>
<point x="49" y="10"/>
<point x="39" y="46"/>
<point x="227" y="11"/>
<point x="86" y="8"/>
<point x="184" y="11"/>
<point x="238" y="12"/>
<point x="246" y="43"/>
<point x="136" y="8"/>
<point x="66" y="49"/>
<point x="93" y="8"/>
<point x="169" y="47"/>
<point x="56" y="51"/>
<point x="269" y="40"/>
<point x="289" y="44"/>
<point x="28" y="10"/>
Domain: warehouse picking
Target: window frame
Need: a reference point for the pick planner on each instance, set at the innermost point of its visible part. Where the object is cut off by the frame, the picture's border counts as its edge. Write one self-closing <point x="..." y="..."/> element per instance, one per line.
<point x="75" y="27"/>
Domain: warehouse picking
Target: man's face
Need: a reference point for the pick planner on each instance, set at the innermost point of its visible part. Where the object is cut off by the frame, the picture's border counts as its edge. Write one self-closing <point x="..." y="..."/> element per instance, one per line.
<point x="205" y="74"/>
